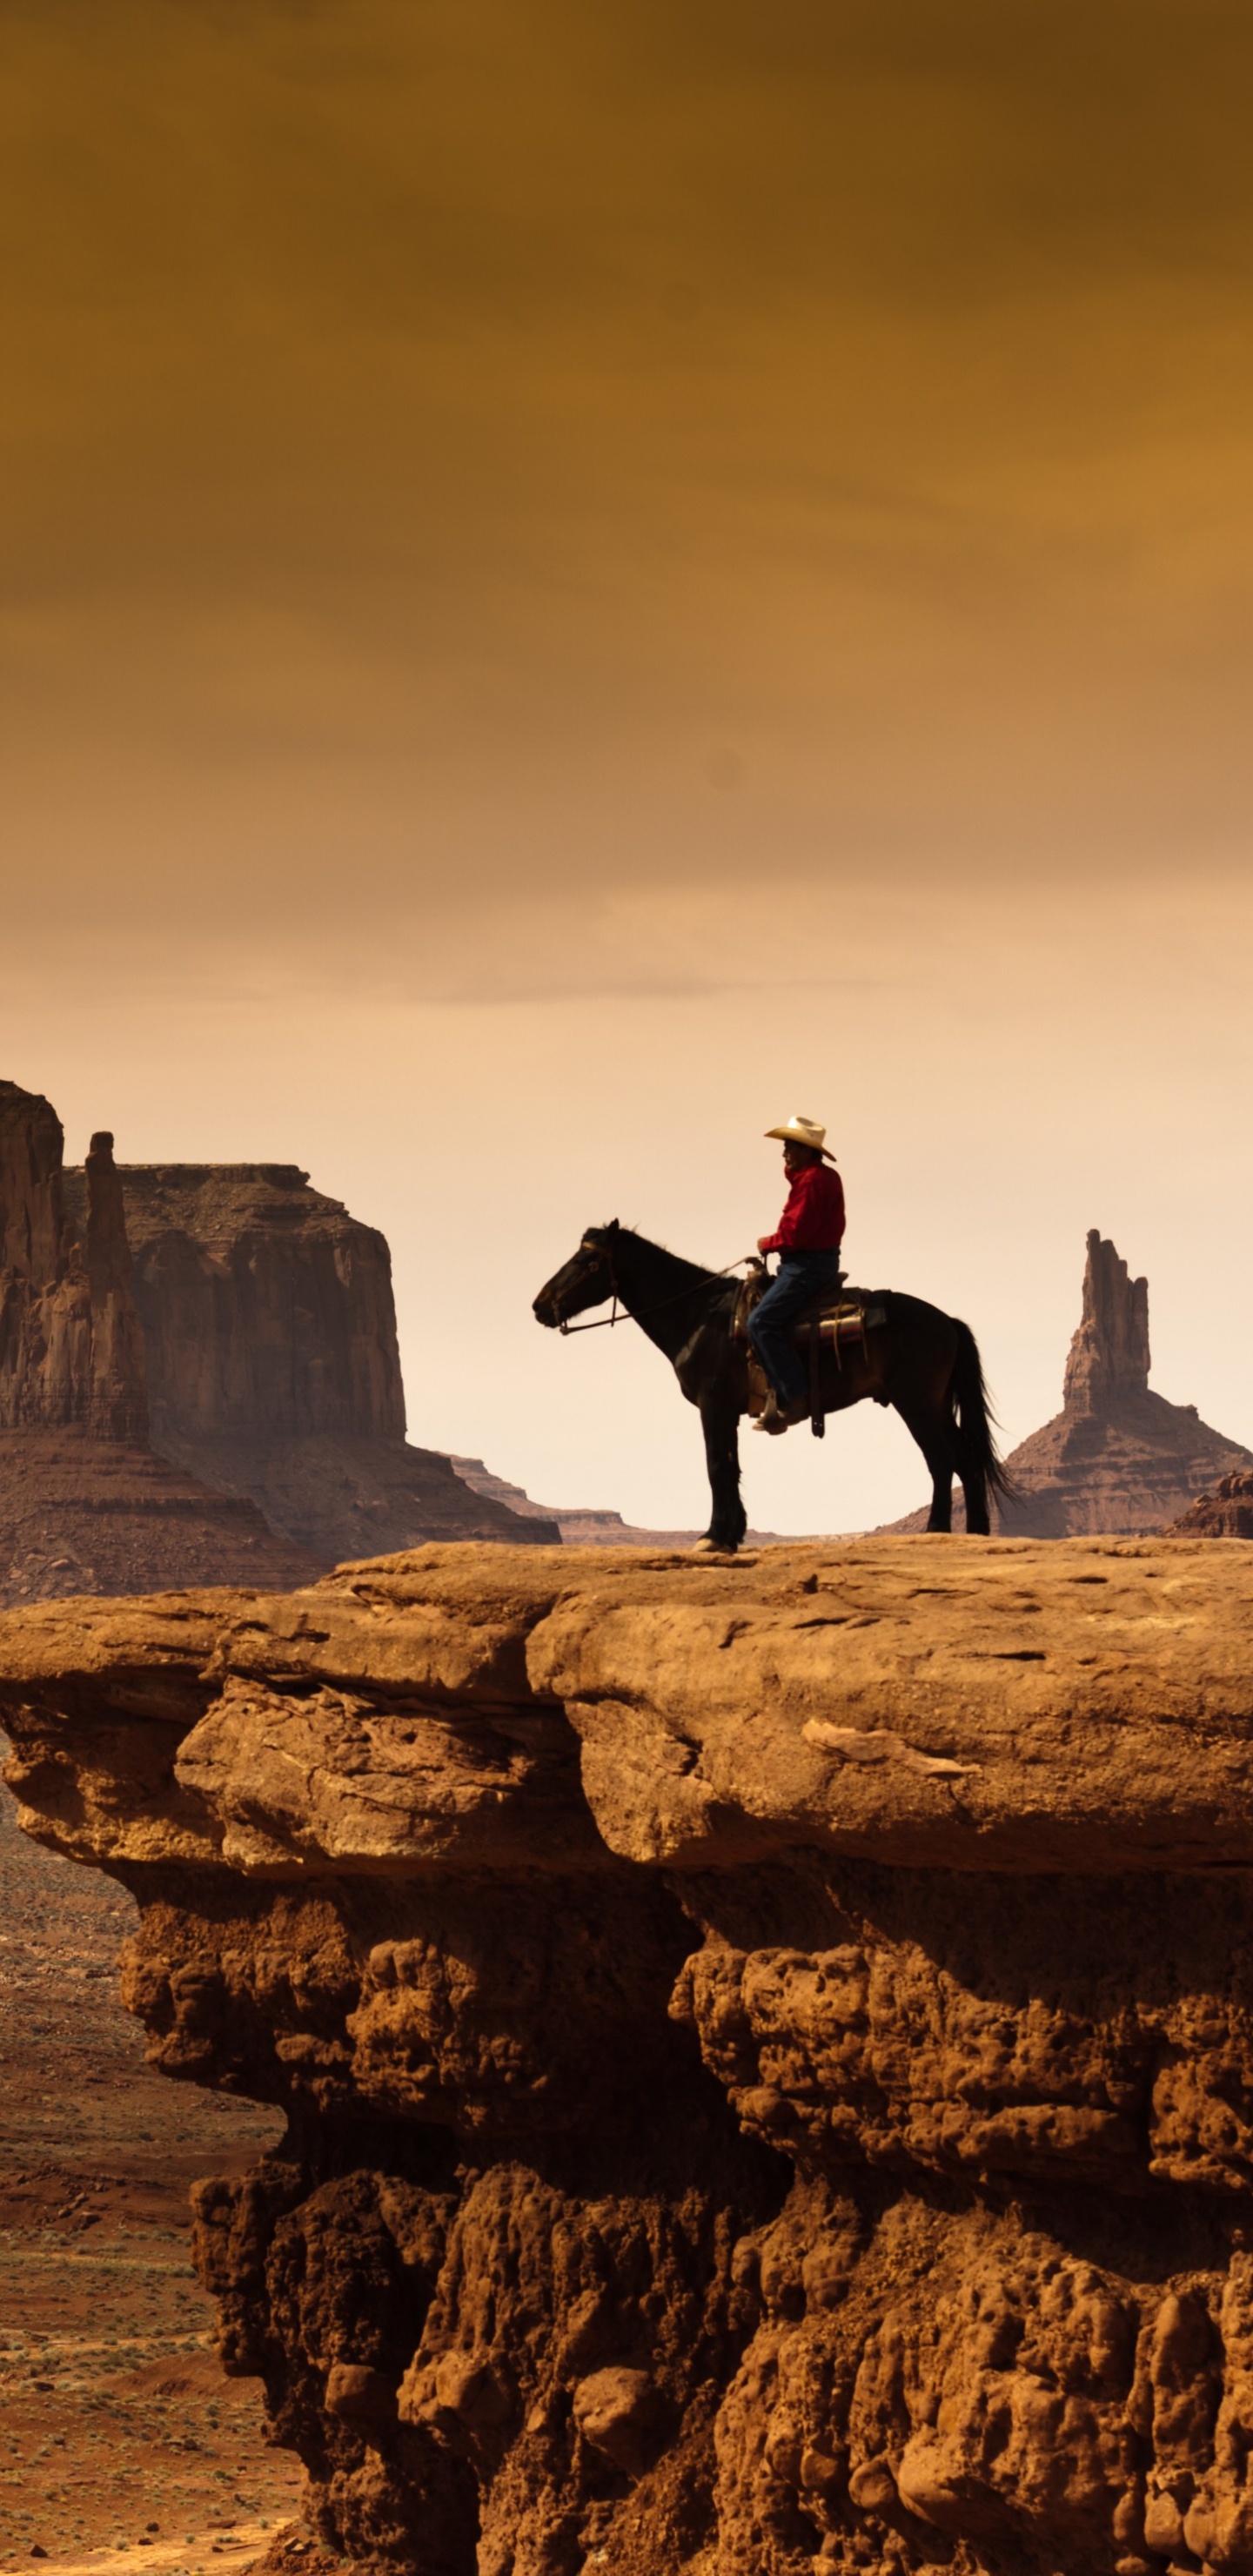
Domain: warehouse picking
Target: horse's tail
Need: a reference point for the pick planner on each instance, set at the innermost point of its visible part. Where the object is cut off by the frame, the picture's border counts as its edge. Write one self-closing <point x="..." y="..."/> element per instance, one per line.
<point x="978" y="1459"/>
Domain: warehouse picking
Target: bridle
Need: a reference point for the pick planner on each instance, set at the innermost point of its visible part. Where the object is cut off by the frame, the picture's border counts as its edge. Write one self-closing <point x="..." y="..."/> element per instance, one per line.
<point x="605" y="1323"/>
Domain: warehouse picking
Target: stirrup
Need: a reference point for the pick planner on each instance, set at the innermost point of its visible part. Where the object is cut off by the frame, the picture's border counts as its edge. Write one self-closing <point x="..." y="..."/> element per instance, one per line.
<point x="775" y="1417"/>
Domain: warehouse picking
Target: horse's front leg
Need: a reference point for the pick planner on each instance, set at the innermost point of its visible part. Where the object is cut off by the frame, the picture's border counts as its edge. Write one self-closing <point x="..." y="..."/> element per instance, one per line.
<point x="937" y="1450"/>
<point x="720" y="1422"/>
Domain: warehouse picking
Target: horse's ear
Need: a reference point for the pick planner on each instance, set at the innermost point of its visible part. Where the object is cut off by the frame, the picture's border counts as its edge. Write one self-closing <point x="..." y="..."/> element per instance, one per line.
<point x="613" y="1226"/>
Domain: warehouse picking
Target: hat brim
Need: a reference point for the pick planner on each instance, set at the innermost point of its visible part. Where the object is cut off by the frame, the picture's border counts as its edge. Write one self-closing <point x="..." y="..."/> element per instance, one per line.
<point x="788" y="1136"/>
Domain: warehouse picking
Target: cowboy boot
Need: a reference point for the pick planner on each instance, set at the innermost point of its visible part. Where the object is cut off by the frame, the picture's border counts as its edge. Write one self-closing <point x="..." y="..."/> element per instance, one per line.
<point x="773" y="1417"/>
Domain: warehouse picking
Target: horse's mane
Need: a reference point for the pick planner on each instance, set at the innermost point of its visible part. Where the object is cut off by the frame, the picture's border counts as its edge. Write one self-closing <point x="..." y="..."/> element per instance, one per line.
<point x="695" y="1275"/>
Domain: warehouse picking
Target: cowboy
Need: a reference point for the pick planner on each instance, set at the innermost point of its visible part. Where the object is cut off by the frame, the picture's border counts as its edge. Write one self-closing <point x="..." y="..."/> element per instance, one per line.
<point x="807" y="1240"/>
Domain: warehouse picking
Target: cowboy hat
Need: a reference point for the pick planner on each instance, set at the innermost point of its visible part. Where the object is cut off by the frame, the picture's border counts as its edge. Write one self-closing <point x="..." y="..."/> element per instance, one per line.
<point x="803" y="1131"/>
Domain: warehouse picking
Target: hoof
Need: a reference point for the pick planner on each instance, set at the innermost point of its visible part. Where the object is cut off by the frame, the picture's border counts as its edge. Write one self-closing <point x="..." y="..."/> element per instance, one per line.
<point x="711" y="1547"/>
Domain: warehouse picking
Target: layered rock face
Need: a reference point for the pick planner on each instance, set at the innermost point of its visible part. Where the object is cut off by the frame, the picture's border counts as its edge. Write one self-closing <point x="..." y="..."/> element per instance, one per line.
<point x="84" y="1515"/>
<point x="272" y="1366"/>
<point x="71" y="1350"/>
<point x="85" y="1504"/>
<point x="1225" y="1513"/>
<point x="1109" y="1359"/>
<point x="1118" y="1457"/>
<point x="768" y="2048"/>
<point x="266" y="1308"/>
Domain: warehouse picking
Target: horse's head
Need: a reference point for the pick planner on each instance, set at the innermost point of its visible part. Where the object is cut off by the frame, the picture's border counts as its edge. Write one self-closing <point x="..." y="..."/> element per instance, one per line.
<point x="585" y="1280"/>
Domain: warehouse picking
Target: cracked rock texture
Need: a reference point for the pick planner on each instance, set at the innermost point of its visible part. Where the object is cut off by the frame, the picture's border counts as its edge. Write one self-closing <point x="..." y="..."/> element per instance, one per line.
<point x="767" y="2047"/>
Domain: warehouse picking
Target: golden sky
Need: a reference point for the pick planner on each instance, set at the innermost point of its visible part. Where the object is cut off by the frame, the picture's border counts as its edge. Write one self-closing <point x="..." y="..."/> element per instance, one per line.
<point x="503" y="504"/>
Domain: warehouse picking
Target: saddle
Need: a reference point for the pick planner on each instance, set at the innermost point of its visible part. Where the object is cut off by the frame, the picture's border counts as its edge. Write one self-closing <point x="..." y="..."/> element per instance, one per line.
<point x="830" y="1322"/>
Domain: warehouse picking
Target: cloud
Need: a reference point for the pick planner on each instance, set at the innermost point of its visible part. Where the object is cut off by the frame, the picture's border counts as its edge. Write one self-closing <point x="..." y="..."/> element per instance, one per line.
<point x="462" y="450"/>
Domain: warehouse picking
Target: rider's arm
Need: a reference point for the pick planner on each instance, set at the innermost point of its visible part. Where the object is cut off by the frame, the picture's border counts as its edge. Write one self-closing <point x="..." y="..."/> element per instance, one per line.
<point x="780" y="1239"/>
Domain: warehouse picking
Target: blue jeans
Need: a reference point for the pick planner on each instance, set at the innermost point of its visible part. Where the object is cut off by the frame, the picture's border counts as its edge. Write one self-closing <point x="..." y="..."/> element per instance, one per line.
<point x="800" y="1276"/>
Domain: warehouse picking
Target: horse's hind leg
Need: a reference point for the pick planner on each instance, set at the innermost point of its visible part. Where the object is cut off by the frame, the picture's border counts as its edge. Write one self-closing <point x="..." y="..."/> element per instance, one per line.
<point x="941" y="1514"/>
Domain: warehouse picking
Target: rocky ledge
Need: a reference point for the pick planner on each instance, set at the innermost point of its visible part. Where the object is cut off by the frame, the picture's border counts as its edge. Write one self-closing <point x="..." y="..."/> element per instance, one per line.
<point x="767" y="2047"/>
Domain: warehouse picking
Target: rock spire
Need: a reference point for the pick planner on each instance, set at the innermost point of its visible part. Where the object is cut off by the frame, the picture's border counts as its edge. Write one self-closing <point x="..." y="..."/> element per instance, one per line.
<point x="1118" y="1457"/>
<point x="71" y="1345"/>
<point x="1109" y="1356"/>
<point x="199" y="1378"/>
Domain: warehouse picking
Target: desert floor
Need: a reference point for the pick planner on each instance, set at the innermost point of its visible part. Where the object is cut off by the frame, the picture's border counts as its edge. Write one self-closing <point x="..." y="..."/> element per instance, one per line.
<point x="122" y="2445"/>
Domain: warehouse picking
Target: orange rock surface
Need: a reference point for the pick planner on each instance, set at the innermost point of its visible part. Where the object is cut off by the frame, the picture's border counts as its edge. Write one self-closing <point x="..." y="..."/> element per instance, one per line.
<point x="1227" y="1512"/>
<point x="85" y="1502"/>
<point x="199" y="1379"/>
<point x="768" y="2047"/>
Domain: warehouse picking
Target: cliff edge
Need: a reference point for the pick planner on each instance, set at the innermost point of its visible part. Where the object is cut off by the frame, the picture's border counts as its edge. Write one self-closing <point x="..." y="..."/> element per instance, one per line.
<point x="767" y="2048"/>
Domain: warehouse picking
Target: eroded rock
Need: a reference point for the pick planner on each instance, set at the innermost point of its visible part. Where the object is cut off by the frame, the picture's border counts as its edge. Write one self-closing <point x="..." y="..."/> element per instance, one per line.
<point x="86" y="1505"/>
<point x="1227" y="1512"/>
<point x="1118" y="1457"/>
<point x="768" y="2048"/>
<point x="71" y="1346"/>
<point x="273" y="1370"/>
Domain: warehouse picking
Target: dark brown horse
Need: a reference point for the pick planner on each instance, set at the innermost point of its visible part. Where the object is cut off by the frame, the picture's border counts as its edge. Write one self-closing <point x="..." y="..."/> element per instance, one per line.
<point x="922" y="1362"/>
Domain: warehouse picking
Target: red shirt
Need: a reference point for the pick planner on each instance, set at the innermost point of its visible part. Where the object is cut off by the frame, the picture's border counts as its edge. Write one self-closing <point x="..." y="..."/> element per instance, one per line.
<point x="813" y="1220"/>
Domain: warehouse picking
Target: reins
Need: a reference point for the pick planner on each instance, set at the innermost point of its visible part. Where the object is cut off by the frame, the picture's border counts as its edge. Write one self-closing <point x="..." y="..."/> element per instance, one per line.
<point x="605" y="1323"/>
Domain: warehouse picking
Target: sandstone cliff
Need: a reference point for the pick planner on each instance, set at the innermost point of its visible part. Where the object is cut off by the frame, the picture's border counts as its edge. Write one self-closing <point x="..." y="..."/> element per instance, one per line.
<point x="85" y="1504"/>
<point x="768" y="2048"/>
<point x="1227" y="1512"/>
<point x="85" y="1515"/>
<point x="1117" y="1458"/>
<point x="273" y="1373"/>
<point x="71" y="1350"/>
